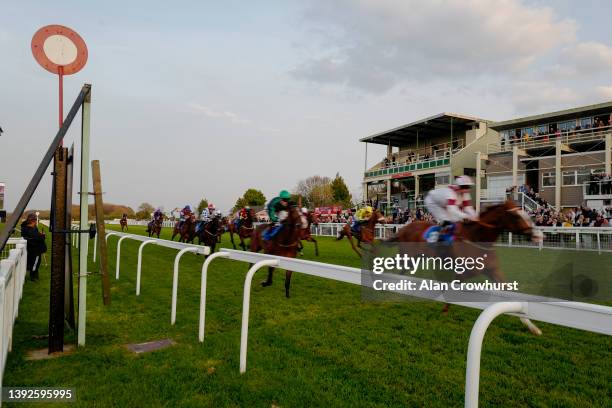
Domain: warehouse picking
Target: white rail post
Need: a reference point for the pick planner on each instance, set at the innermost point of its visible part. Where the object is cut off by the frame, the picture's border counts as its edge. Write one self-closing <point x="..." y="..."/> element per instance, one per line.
<point x="509" y="239"/>
<point x="95" y="246"/>
<point x="139" y="265"/>
<point x="246" y="300"/>
<point x="175" y="280"/>
<point x="598" y="244"/>
<point x="207" y="262"/>
<point x="472" y="371"/>
<point x="577" y="240"/>
<point x="119" y="256"/>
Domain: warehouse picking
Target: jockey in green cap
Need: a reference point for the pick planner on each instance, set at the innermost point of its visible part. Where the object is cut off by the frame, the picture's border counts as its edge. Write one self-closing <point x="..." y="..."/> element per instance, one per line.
<point x="278" y="210"/>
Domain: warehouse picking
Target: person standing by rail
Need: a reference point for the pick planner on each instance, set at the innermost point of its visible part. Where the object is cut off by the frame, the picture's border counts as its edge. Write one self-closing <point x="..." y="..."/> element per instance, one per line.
<point x="36" y="244"/>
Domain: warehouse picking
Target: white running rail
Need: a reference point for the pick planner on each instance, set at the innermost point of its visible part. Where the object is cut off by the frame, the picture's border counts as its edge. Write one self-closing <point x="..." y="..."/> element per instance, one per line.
<point x="12" y="278"/>
<point x="582" y="316"/>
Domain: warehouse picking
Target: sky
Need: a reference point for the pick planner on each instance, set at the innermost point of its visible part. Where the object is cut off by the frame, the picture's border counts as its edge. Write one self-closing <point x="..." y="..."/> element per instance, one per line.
<point x="198" y="99"/>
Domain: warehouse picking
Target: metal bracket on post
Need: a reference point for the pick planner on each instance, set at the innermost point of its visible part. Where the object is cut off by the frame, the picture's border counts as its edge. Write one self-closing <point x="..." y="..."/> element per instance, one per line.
<point x="246" y="300"/>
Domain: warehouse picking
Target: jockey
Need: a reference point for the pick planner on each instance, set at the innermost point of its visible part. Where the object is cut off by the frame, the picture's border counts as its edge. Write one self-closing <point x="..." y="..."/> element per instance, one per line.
<point x="186" y="213"/>
<point x="205" y="214"/>
<point x="278" y="210"/>
<point x="212" y="210"/>
<point x="449" y="205"/>
<point x="157" y="215"/>
<point x="361" y="217"/>
<point x="243" y="215"/>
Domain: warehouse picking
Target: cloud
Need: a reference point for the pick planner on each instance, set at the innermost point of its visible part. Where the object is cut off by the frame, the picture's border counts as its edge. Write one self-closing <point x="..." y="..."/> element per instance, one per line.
<point x="374" y="45"/>
<point x="604" y="92"/>
<point x="224" y="115"/>
<point x="537" y="96"/>
<point x="588" y="58"/>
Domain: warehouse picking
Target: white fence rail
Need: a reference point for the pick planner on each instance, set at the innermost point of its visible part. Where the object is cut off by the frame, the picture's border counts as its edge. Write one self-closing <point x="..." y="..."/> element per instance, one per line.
<point x="183" y="249"/>
<point x="165" y="224"/>
<point x="13" y="264"/>
<point x="581" y="238"/>
<point x="583" y="316"/>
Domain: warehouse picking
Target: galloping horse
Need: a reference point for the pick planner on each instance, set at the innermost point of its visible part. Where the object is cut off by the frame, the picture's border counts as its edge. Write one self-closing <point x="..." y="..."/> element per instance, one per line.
<point x="366" y="234"/>
<point x="284" y="243"/>
<point x="244" y="231"/>
<point x="123" y="223"/>
<point x="305" y="234"/>
<point x="209" y="233"/>
<point x="154" y="227"/>
<point x="186" y="232"/>
<point x="486" y="230"/>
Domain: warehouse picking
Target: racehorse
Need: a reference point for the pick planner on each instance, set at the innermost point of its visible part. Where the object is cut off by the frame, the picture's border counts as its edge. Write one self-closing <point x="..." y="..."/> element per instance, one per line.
<point x="123" y="223"/>
<point x="284" y="243"/>
<point x="366" y="233"/>
<point x="480" y="235"/>
<point x="154" y="227"/>
<point x="186" y="232"/>
<point x="305" y="234"/>
<point x="209" y="233"/>
<point x="244" y="231"/>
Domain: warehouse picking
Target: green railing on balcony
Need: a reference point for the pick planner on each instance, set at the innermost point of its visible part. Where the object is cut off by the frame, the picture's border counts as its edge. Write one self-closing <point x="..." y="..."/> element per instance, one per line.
<point x="408" y="167"/>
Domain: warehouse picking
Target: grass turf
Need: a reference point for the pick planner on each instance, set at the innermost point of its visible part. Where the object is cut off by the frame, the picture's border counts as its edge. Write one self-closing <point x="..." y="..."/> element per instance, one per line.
<point x="322" y="347"/>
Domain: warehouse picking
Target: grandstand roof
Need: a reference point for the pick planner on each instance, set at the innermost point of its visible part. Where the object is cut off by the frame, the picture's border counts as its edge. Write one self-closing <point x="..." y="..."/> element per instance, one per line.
<point x="558" y="116"/>
<point x="432" y="126"/>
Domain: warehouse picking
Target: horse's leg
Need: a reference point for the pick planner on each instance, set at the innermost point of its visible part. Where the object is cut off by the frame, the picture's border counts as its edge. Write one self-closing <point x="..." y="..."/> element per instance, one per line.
<point x="287" y="282"/>
<point x="268" y="281"/>
<point x="496" y="274"/>
<point x="242" y="244"/>
<point x="350" y="238"/>
<point x="300" y="247"/>
<point x="341" y="234"/>
<point x="232" y="238"/>
<point x="314" y="241"/>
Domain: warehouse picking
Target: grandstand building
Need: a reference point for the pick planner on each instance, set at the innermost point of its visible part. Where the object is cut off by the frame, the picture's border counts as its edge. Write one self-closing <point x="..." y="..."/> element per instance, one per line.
<point x="559" y="155"/>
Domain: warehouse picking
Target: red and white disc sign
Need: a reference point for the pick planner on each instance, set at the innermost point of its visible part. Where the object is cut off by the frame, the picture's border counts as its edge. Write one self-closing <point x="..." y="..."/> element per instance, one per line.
<point x="55" y="46"/>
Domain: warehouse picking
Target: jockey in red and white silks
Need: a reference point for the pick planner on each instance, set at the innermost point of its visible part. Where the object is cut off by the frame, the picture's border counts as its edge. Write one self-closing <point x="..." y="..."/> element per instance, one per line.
<point x="452" y="203"/>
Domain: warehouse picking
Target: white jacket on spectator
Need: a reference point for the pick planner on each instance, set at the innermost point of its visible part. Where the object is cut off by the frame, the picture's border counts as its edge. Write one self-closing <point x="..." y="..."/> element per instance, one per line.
<point x="446" y="204"/>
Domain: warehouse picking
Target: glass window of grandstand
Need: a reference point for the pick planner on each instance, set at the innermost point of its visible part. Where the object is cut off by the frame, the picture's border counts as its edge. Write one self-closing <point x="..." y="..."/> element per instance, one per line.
<point x="517" y="134"/>
<point x="567" y="126"/>
<point x="442" y="179"/>
<point x="548" y="179"/>
<point x="585" y="123"/>
<point x="583" y="176"/>
<point x="541" y="130"/>
<point x="527" y="133"/>
<point x="504" y="137"/>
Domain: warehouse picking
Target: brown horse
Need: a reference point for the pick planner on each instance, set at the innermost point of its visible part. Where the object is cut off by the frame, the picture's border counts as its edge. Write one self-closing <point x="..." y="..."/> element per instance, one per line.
<point x="306" y="235"/>
<point x="244" y="231"/>
<point x="186" y="232"/>
<point x="123" y="223"/>
<point x="209" y="233"/>
<point x="284" y="243"/>
<point x="154" y="227"/>
<point x="366" y="233"/>
<point x="480" y="235"/>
